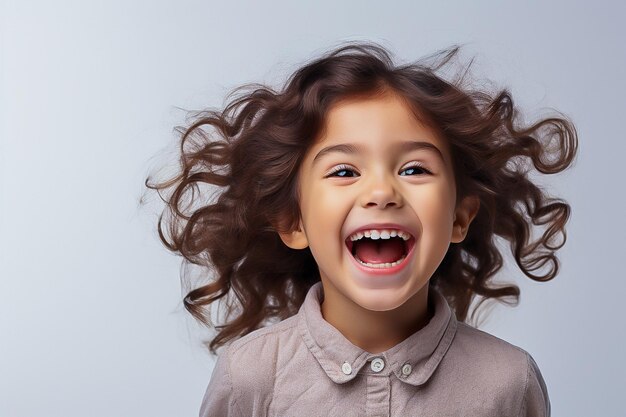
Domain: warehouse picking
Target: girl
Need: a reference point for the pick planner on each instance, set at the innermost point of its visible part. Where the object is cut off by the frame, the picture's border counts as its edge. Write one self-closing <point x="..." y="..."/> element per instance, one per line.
<point x="357" y="221"/>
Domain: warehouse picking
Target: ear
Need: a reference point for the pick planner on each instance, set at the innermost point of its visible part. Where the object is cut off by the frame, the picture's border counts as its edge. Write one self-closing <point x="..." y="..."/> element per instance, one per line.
<point x="295" y="239"/>
<point x="463" y="216"/>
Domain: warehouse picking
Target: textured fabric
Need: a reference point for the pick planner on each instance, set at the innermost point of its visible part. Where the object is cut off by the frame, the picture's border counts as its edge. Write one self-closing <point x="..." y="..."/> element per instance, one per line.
<point x="304" y="367"/>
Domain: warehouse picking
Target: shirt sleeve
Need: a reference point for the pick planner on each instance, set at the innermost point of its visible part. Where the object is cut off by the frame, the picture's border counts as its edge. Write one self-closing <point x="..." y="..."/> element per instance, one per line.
<point x="219" y="397"/>
<point x="536" y="402"/>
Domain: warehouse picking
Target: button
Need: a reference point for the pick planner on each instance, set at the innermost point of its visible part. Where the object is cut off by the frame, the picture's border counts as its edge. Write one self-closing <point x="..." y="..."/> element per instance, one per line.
<point x="406" y="369"/>
<point x="346" y="368"/>
<point x="377" y="365"/>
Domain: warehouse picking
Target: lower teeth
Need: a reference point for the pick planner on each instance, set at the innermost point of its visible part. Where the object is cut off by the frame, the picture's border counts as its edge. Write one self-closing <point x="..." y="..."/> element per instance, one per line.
<point x="380" y="266"/>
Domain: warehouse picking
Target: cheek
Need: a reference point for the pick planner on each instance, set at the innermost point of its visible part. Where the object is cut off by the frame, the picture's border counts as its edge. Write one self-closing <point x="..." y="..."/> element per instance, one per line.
<point x="435" y="216"/>
<point x="308" y="204"/>
<point x="433" y="201"/>
<point x="329" y="200"/>
<point x="324" y="212"/>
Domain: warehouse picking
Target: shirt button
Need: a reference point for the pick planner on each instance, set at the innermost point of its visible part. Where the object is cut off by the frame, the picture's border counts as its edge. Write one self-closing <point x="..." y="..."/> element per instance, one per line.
<point x="377" y="365"/>
<point x="406" y="369"/>
<point x="346" y="368"/>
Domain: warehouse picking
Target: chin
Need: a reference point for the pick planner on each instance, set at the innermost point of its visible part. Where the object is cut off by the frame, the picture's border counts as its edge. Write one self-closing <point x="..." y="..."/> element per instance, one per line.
<point x="381" y="300"/>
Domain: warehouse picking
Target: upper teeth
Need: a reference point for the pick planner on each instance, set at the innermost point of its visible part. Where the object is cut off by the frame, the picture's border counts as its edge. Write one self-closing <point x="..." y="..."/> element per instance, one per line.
<point x="380" y="234"/>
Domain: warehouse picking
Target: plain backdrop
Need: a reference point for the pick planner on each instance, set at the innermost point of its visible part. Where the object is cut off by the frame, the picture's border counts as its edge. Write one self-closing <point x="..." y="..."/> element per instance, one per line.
<point x="91" y="318"/>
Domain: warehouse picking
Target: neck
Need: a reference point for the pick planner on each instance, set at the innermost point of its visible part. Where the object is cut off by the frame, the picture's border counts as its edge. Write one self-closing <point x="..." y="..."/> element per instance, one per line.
<point x="376" y="331"/>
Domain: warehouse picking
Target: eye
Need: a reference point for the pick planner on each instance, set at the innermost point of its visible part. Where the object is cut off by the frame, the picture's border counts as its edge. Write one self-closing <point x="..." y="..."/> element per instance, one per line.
<point x="416" y="167"/>
<point x="339" y="169"/>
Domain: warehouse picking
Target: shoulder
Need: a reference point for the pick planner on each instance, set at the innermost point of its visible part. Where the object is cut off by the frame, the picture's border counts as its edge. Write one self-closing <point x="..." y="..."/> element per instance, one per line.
<point x="490" y="355"/>
<point x="266" y="337"/>
<point x="504" y="369"/>
<point x="255" y="357"/>
<point x="481" y="345"/>
<point x="244" y="370"/>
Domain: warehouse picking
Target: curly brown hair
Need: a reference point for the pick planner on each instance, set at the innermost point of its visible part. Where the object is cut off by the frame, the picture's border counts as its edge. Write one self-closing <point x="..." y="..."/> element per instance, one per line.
<point x="259" y="139"/>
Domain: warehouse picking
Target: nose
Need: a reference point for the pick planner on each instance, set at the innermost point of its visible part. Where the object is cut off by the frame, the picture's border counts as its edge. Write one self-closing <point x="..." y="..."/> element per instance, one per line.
<point x="381" y="191"/>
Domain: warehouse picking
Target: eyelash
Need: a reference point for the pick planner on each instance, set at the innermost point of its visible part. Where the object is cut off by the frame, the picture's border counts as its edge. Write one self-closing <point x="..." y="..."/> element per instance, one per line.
<point x="343" y="167"/>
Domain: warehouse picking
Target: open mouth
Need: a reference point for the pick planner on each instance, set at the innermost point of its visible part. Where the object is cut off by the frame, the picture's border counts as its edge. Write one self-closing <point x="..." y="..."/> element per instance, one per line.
<point x="380" y="253"/>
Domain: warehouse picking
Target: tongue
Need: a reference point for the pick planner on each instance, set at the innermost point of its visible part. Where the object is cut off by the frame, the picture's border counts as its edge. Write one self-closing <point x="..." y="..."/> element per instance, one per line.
<point x="379" y="251"/>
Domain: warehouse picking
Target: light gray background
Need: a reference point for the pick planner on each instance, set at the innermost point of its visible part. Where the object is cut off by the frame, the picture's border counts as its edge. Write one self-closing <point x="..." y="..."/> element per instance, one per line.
<point x="91" y="322"/>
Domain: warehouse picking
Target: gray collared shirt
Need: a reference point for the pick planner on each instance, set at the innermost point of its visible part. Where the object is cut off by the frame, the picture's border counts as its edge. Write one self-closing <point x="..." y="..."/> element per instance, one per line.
<point x="304" y="367"/>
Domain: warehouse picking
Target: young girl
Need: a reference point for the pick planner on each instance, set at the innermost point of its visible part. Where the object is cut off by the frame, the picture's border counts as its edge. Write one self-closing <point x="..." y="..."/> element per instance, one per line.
<point x="357" y="222"/>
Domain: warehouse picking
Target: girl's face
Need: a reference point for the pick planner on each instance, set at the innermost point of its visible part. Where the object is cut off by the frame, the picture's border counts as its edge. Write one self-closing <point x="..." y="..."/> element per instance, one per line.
<point x="376" y="163"/>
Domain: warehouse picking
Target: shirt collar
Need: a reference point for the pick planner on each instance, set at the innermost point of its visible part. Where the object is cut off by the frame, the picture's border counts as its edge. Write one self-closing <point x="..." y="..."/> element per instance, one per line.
<point x="423" y="350"/>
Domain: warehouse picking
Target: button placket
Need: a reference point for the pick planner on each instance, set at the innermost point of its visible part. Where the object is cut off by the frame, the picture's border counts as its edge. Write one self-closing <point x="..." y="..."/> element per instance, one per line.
<point x="377" y="364"/>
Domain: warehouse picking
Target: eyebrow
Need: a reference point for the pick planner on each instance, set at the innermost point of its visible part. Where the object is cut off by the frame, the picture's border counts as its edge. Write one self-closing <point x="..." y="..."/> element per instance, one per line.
<point x="352" y="148"/>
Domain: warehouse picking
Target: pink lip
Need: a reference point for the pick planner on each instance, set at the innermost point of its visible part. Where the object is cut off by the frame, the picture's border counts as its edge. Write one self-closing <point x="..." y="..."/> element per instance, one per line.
<point x="382" y="271"/>
<point x="386" y="271"/>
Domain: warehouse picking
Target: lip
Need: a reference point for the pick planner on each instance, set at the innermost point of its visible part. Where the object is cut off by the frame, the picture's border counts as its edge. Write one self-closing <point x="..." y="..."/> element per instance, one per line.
<point x="410" y="244"/>
<point x="386" y="271"/>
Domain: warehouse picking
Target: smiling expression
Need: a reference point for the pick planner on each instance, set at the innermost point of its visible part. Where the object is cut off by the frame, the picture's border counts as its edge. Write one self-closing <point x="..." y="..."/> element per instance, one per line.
<point x="376" y="163"/>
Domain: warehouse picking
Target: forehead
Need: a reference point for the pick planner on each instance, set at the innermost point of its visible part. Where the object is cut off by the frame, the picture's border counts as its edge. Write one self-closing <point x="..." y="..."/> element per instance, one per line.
<point x="386" y="123"/>
<point x="390" y="105"/>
